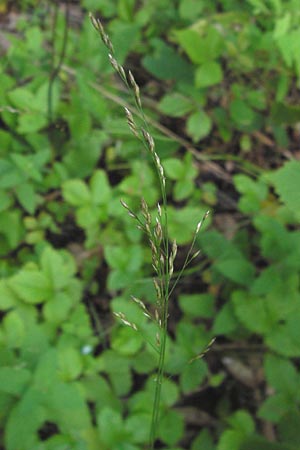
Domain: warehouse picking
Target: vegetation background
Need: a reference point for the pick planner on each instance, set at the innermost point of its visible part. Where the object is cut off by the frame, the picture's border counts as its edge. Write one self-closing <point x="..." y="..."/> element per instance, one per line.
<point x="220" y="86"/>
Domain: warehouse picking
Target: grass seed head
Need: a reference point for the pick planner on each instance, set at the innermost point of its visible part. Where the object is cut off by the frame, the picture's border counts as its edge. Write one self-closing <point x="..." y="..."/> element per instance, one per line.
<point x="135" y="88"/>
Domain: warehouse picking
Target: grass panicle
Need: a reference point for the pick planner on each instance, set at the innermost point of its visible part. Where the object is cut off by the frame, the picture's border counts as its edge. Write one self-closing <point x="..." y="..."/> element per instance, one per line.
<point x="163" y="253"/>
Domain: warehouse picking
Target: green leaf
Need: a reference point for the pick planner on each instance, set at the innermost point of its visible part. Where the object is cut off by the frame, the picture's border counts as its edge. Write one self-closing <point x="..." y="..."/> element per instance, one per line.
<point x="242" y="421"/>
<point x="13" y="380"/>
<point x="225" y="321"/>
<point x="117" y="368"/>
<point x="183" y="189"/>
<point x="138" y="426"/>
<point x="32" y="286"/>
<point x="21" y="98"/>
<point x="282" y="375"/>
<point x="189" y="9"/>
<point x="238" y="270"/>
<point x="200" y="48"/>
<point x="252" y="312"/>
<point x="231" y="440"/>
<point x="31" y="122"/>
<point x="260" y="443"/>
<point x="66" y="406"/>
<point x="26" y="196"/>
<point x="203" y="441"/>
<point x="5" y="200"/>
<point x="174" y="168"/>
<point x="11" y="227"/>
<point x="287" y="184"/>
<point x="111" y="428"/>
<point x="169" y="391"/>
<point x="208" y="74"/>
<point x="197" y="305"/>
<point x="100" y="188"/>
<point x="199" y="125"/>
<point x="175" y="105"/>
<point x="14" y="329"/>
<point x="56" y="269"/>
<point x="193" y="375"/>
<point x="70" y="363"/>
<point x="275" y="407"/>
<point x="24" y="421"/>
<point x="7" y="298"/>
<point x="76" y="192"/>
<point x="241" y="113"/>
<point x="171" y="427"/>
<point x="176" y="69"/>
<point x="289" y="427"/>
<point x="57" y="309"/>
<point x="126" y="341"/>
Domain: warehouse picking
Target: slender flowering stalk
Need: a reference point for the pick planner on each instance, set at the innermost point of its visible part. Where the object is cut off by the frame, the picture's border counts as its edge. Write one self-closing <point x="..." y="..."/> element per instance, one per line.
<point x="163" y="254"/>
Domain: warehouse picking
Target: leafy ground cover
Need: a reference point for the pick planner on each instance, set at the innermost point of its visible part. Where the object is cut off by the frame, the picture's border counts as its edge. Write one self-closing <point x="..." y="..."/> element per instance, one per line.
<point x="220" y="87"/>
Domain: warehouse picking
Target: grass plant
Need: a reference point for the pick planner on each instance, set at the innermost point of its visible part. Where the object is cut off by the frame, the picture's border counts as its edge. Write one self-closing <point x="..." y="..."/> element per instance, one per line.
<point x="163" y="252"/>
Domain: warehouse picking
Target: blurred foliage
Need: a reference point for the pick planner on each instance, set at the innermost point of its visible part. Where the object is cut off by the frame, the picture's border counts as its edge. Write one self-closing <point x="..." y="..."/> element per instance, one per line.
<point x="220" y="83"/>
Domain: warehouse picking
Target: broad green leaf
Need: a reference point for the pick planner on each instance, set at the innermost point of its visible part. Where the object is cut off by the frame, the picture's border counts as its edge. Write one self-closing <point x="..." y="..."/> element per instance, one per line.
<point x="21" y="98"/>
<point x="183" y="189"/>
<point x="203" y="441"/>
<point x="198" y="125"/>
<point x="197" y="305"/>
<point x="275" y="407"/>
<point x="169" y="391"/>
<point x="189" y="9"/>
<point x="231" y="440"/>
<point x="24" y="421"/>
<point x="208" y="74"/>
<point x="100" y="188"/>
<point x="174" y="168"/>
<point x="13" y="329"/>
<point x="26" y="196"/>
<point x="225" y="322"/>
<point x="238" y="270"/>
<point x="46" y="371"/>
<point x="193" y="375"/>
<point x="13" y="380"/>
<point x="183" y="222"/>
<point x="261" y="443"/>
<point x="6" y="200"/>
<point x="288" y="427"/>
<point x="176" y="69"/>
<point x="57" y="309"/>
<point x="175" y="105"/>
<point x="31" y="122"/>
<point x="252" y="312"/>
<point x="7" y="297"/>
<point x="76" y="192"/>
<point x="282" y="375"/>
<point x="201" y="49"/>
<point x="65" y="405"/>
<point x="32" y="286"/>
<point x="112" y="428"/>
<point x="117" y="368"/>
<point x="242" y="421"/>
<point x="97" y="389"/>
<point x="287" y="184"/>
<point x="138" y="426"/>
<point x="11" y="227"/>
<point x="241" y="113"/>
<point x="70" y="363"/>
<point x="171" y="427"/>
<point x="126" y="341"/>
<point x="57" y="270"/>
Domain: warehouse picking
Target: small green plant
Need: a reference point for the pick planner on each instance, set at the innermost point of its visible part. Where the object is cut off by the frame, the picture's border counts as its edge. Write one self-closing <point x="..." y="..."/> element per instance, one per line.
<point x="157" y="232"/>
